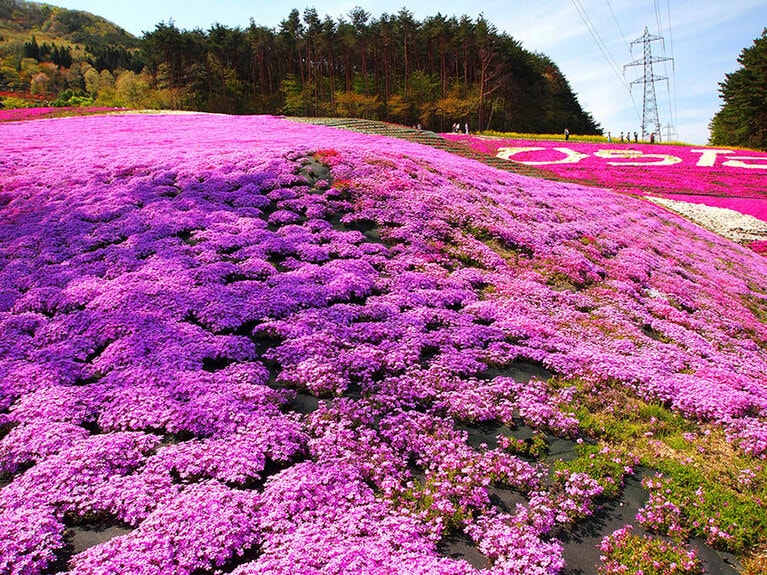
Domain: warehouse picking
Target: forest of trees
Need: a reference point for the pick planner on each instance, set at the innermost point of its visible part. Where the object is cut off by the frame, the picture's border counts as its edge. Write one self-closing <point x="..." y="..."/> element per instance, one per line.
<point x="435" y="72"/>
<point x="392" y="67"/>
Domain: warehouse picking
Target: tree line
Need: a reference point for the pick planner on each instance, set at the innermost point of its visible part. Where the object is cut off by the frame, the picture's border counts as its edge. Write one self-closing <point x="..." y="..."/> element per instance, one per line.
<point x="434" y="72"/>
<point x="742" y="120"/>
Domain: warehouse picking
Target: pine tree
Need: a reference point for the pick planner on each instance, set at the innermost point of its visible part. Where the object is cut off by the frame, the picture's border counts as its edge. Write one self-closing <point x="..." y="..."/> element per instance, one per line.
<point x="32" y="49"/>
<point x="742" y="120"/>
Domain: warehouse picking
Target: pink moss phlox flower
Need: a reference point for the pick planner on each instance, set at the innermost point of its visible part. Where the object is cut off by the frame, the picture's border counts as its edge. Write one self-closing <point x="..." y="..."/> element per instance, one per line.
<point x="712" y="176"/>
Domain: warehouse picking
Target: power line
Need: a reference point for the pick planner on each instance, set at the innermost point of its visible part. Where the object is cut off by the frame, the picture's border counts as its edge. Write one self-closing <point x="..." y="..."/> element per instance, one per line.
<point x="672" y="100"/>
<point x="600" y="44"/>
<point x="604" y="49"/>
<point x="670" y="86"/>
<point x="617" y="24"/>
<point x="657" y="17"/>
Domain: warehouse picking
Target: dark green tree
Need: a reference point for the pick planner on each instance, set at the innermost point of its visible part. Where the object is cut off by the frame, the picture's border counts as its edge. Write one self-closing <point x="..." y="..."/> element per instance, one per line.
<point x="62" y="56"/>
<point x="742" y="120"/>
<point x="264" y="66"/>
<point x="291" y="36"/>
<point x="113" y="58"/>
<point x="32" y="49"/>
<point x="164" y="53"/>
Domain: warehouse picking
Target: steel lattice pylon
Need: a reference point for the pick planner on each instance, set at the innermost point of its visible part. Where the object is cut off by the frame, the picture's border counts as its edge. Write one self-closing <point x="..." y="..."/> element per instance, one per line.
<point x="650" y="117"/>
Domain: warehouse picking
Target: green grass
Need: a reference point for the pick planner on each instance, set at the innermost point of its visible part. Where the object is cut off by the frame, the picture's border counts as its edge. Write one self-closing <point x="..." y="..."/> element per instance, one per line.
<point x="607" y="466"/>
<point x="718" y="489"/>
<point x="598" y="139"/>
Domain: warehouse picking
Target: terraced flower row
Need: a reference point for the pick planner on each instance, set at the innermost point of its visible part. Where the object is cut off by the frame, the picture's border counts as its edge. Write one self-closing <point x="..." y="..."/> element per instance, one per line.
<point x="718" y="177"/>
<point x="261" y="347"/>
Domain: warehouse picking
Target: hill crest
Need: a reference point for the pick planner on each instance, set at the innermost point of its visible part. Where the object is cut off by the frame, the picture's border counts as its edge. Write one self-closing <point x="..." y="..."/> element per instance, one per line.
<point x="20" y="19"/>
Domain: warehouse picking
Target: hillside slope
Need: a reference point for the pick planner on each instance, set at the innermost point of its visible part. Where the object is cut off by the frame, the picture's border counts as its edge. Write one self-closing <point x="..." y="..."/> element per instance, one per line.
<point x="20" y="19"/>
<point x="263" y="346"/>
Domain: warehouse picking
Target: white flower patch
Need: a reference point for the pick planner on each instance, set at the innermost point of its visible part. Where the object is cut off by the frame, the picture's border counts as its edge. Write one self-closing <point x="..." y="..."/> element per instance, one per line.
<point x="728" y="223"/>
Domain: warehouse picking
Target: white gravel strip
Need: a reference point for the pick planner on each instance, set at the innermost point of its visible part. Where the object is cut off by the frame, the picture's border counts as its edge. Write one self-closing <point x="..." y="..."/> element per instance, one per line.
<point x="728" y="223"/>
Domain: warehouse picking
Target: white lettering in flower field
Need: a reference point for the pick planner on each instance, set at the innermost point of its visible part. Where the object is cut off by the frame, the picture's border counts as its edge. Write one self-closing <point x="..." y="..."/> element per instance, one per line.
<point x="628" y="157"/>
<point x="571" y="156"/>
<point x="665" y="160"/>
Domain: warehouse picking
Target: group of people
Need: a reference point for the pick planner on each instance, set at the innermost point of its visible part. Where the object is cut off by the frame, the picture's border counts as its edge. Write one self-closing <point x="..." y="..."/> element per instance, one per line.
<point x="457" y="128"/>
<point x="627" y="137"/>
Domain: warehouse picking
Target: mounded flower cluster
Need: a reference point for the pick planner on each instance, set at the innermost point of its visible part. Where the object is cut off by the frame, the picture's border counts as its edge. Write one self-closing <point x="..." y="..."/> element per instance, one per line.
<point x="259" y="344"/>
<point x="661" y="515"/>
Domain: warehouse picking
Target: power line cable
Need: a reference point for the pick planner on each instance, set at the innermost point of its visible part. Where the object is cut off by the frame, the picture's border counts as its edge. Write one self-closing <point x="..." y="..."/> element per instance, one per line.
<point x="617" y="24"/>
<point x="662" y="33"/>
<point x="673" y="110"/>
<point x="600" y="44"/>
<point x="605" y="51"/>
<point x="628" y="48"/>
<point x="657" y="18"/>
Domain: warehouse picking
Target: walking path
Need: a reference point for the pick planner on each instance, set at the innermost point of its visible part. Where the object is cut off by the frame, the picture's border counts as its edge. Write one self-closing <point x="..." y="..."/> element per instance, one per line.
<point x="430" y="139"/>
<point x="742" y="229"/>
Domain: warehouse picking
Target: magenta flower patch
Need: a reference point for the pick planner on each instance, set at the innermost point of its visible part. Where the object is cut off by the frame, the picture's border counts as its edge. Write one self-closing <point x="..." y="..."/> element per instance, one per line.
<point x="718" y="177"/>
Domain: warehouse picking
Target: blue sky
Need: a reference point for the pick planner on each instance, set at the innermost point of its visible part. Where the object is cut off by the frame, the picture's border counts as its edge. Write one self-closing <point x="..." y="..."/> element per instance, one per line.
<point x="588" y="39"/>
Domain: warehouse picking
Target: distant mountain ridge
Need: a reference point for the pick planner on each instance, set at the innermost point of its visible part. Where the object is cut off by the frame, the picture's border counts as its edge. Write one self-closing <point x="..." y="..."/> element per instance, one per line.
<point x="19" y="18"/>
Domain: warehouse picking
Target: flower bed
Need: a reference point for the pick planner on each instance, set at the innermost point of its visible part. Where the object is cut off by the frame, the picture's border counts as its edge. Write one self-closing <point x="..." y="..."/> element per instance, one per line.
<point x="174" y="288"/>
<point x="725" y="178"/>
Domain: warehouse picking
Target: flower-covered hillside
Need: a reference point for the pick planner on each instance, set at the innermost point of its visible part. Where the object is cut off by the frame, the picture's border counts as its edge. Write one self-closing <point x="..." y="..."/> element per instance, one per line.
<point x="261" y="347"/>
<point x="718" y="177"/>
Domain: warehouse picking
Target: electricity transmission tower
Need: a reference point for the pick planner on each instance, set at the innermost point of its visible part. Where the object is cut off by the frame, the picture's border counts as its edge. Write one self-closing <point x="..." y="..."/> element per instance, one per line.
<point x="671" y="133"/>
<point x="650" y="120"/>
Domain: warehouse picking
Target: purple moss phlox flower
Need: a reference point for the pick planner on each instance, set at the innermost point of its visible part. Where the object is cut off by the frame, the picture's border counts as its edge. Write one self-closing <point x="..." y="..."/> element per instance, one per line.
<point x="261" y="372"/>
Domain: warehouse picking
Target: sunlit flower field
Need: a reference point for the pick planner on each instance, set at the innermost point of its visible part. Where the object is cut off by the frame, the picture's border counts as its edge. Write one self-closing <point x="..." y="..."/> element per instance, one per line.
<point x="246" y="345"/>
<point x="720" y="178"/>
